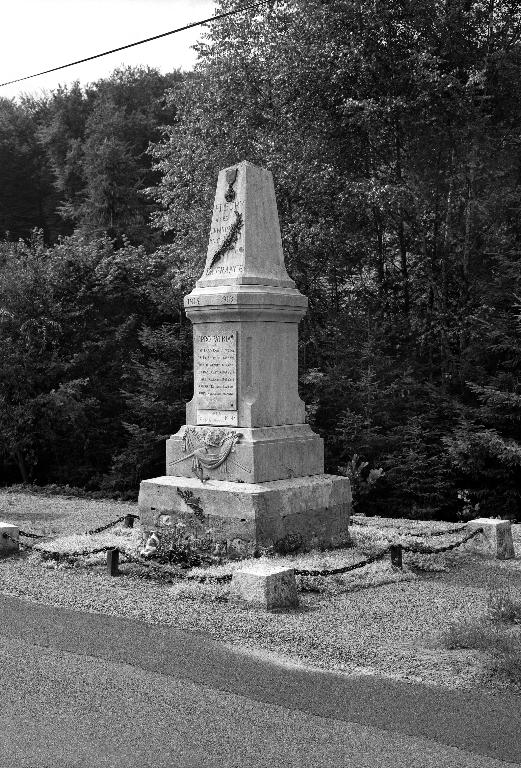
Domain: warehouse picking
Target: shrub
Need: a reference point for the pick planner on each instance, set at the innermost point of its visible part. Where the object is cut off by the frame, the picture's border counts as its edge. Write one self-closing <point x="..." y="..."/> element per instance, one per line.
<point x="503" y="606"/>
<point x="507" y="659"/>
<point x="502" y="648"/>
<point x="178" y="545"/>
<point x="473" y="634"/>
<point x="363" y="480"/>
<point x="191" y="545"/>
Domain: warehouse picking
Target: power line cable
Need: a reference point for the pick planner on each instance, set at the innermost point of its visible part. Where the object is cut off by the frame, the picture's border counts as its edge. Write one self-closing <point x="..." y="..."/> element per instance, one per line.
<point x="141" y="42"/>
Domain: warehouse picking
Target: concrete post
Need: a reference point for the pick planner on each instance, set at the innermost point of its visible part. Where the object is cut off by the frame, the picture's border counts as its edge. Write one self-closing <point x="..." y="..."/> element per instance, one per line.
<point x="265" y="585"/>
<point x="496" y="539"/>
<point x="8" y="547"/>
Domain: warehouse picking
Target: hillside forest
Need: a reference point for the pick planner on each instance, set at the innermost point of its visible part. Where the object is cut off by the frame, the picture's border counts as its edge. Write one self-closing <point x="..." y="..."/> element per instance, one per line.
<point x="393" y="132"/>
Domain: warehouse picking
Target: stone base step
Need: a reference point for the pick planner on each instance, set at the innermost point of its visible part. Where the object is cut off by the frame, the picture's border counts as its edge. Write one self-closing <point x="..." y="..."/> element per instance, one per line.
<point x="250" y="516"/>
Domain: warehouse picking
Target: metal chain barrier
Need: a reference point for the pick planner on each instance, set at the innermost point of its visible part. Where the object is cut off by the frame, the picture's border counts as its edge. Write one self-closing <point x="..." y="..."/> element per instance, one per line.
<point x="126" y="557"/>
<point x="149" y="563"/>
<point x="414" y="548"/>
<point x="22" y="544"/>
<point x="52" y="554"/>
<point x="92" y="532"/>
<point x="436" y="550"/>
<point x="49" y="554"/>
<point x="441" y="533"/>
<point x="345" y="569"/>
<point x="80" y="553"/>
<point x="30" y="535"/>
<point x="406" y="531"/>
<point x="109" y="525"/>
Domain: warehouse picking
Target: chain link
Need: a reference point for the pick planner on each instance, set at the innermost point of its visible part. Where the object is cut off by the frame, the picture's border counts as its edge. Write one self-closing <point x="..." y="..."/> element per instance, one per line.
<point x="345" y="569"/>
<point x="53" y="555"/>
<point x="30" y="535"/>
<point x="56" y="555"/>
<point x="109" y="525"/>
<point x="407" y="532"/>
<point x="149" y="563"/>
<point x="22" y="544"/>
<point x="418" y="549"/>
<point x="434" y="551"/>
<point x="92" y="532"/>
<point x="380" y="555"/>
<point x="441" y="533"/>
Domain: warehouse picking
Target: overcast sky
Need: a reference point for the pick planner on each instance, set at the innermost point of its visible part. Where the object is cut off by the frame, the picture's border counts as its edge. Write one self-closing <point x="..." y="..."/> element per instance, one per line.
<point x="40" y="34"/>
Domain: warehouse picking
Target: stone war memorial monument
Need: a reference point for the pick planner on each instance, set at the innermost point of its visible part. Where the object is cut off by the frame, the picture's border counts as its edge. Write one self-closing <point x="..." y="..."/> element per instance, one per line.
<point x="246" y="465"/>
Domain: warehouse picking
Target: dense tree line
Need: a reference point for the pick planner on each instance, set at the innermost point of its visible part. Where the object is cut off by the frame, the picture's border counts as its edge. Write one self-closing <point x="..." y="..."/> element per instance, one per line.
<point x="393" y="132"/>
<point x="77" y="159"/>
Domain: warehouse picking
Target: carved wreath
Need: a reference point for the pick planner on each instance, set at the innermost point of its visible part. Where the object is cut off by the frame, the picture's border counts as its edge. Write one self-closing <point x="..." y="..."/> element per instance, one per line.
<point x="208" y="447"/>
<point x="229" y="241"/>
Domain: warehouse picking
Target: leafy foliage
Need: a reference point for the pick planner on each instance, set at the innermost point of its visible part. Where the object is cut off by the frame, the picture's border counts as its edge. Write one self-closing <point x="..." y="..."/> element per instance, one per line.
<point x="77" y="158"/>
<point x="394" y="141"/>
<point x="76" y="323"/>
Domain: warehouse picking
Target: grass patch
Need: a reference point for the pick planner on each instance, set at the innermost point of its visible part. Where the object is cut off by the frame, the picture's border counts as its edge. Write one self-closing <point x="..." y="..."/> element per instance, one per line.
<point x="503" y="606"/>
<point x="494" y="634"/>
<point x="507" y="659"/>
<point x="502" y="648"/>
<point x="208" y="592"/>
<point x="55" y="515"/>
<point x="470" y="634"/>
<point x="65" y="491"/>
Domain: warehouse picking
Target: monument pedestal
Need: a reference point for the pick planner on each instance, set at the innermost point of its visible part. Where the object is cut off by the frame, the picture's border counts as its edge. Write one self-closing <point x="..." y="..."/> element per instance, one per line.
<point x="261" y="454"/>
<point x="246" y="465"/>
<point x="249" y="516"/>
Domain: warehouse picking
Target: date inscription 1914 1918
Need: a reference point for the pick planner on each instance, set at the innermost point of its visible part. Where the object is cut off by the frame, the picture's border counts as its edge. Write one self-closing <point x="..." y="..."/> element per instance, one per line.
<point x="215" y="364"/>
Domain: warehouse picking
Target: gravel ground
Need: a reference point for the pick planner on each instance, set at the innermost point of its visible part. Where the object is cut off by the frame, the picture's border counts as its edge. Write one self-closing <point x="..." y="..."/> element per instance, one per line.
<point x="375" y="620"/>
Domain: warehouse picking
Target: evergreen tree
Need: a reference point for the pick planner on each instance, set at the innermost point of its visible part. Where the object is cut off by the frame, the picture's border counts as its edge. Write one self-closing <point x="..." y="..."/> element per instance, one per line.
<point x="26" y="193"/>
<point x="76" y="321"/>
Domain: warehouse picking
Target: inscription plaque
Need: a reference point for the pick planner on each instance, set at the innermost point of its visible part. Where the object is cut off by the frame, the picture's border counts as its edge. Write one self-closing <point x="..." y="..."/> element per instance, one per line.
<point x="219" y="418"/>
<point x="215" y="364"/>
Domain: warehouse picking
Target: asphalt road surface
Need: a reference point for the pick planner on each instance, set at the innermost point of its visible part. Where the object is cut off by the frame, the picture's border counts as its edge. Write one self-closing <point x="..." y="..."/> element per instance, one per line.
<point x="88" y="690"/>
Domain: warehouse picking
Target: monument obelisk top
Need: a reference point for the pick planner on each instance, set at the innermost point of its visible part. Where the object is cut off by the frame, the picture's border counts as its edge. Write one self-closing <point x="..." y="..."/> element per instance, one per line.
<point x="245" y="311"/>
<point x="245" y="245"/>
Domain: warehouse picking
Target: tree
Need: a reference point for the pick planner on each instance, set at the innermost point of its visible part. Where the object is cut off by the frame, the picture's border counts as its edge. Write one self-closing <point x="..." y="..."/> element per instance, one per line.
<point x="390" y="142"/>
<point x="96" y="140"/>
<point x="26" y="194"/>
<point x="78" y="323"/>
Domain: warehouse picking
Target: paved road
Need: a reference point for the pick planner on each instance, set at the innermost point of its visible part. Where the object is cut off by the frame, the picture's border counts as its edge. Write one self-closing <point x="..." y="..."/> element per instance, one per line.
<point x="88" y="690"/>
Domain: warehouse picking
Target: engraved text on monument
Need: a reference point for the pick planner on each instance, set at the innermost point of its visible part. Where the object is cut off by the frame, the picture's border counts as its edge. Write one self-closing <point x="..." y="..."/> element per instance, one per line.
<point x="215" y="364"/>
